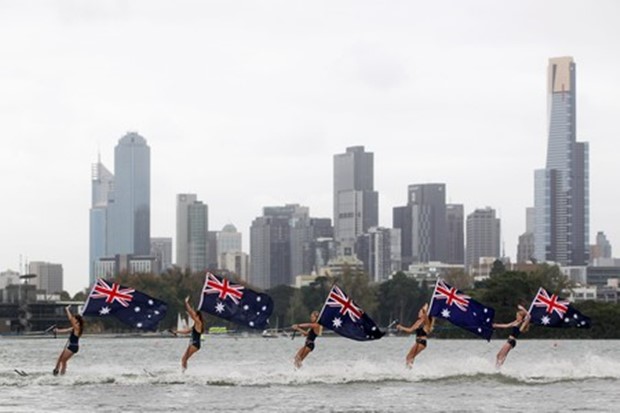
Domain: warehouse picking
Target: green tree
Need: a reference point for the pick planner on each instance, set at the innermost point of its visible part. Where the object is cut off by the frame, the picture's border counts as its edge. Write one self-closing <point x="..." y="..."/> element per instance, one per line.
<point x="281" y="296"/>
<point x="356" y="285"/>
<point x="297" y="310"/>
<point x="498" y="268"/>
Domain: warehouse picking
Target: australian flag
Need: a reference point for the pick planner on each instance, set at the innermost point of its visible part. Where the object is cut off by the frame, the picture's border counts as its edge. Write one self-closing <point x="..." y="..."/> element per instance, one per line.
<point x="234" y="302"/>
<point x="549" y="310"/>
<point x="343" y="316"/>
<point x="461" y="310"/>
<point x="132" y="307"/>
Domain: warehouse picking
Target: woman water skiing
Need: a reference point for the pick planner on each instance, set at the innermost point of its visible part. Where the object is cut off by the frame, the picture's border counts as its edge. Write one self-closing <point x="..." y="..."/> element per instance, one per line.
<point x="519" y="325"/>
<point x="314" y="330"/>
<point x="196" y="333"/>
<point x="423" y="326"/>
<point x="76" y="329"/>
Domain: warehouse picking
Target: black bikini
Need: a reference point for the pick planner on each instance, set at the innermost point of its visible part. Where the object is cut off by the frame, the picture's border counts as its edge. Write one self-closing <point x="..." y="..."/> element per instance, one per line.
<point x="421" y="336"/>
<point x="195" y="339"/>
<point x="310" y="339"/>
<point x="74" y="343"/>
<point x="512" y="339"/>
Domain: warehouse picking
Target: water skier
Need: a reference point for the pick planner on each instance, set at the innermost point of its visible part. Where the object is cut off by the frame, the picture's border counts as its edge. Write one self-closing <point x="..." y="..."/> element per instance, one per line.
<point x="196" y="333"/>
<point x="314" y="330"/>
<point x="520" y="325"/>
<point x="423" y="326"/>
<point x="73" y="345"/>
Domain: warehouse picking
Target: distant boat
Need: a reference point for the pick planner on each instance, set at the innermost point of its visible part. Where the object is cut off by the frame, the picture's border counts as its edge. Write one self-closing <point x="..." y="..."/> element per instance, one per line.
<point x="218" y="330"/>
<point x="270" y="333"/>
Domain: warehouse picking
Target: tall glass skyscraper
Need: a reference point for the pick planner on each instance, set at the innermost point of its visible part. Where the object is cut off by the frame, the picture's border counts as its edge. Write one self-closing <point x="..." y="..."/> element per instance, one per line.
<point x="102" y="183"/>
<point x="356" y="203"/>
<point x="129" y="226"/>
<point x="561" y="190"/>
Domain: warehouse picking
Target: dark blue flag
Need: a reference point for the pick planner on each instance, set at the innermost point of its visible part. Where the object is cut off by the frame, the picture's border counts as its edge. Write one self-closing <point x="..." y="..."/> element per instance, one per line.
<point x="234" y="302"/>
<point x="549" y="310"/>
<point x="132" y="307"/>
<point x="343" y="316"/>
<point x="461" y="310"/>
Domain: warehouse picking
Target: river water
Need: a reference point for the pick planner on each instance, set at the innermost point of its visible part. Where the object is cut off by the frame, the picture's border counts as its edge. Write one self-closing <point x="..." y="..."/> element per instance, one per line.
<point x="256" y="374"/>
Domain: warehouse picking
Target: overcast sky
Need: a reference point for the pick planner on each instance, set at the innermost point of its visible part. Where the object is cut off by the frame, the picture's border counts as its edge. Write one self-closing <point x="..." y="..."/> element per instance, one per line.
<point x="245" y="104"/>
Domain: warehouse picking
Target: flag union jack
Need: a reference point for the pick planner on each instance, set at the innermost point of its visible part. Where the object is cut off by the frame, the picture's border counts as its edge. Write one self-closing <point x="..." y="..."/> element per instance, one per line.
<point x="451" y="295"/>
<point x="552" y="303"/>
<point x="224" y="288"/>
<point x="123" y="296"/>
<point x="337" y="298"/>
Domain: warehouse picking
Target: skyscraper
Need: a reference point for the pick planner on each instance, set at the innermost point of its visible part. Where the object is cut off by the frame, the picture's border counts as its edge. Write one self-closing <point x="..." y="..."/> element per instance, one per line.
<point x="423" y="224"/>
<point x="483" y="236"/>
<point x="192" y="231"/>
<point x="561" y="190"/>
<point x="356" y="203"/>
<point x="102" y="186"/>
<point x="379" y="250"/>
<point x="129" y="209"/>
<point x="525" y="247"/>
<point x="455" y="242"/>
<point x="602" y="248"/>
<point x="271" y="250"/>
<point x="49" y="276"/>
<point x="161" y="249"/>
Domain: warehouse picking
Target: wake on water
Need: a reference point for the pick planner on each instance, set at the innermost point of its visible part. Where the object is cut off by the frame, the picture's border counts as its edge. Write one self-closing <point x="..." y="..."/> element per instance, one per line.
<point x="470" y="369"/>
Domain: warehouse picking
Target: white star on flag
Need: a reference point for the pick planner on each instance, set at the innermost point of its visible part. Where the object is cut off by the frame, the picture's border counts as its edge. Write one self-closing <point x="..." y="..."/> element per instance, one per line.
<point x="445" y="313"/>
<point x="139" y="325"/>
<point x="545" y="320"/>
<point x="337" y="322"/>
<point x="104" y="310"/>
<point x="219" y="307"/>
<point x="137" y="309"/>
<point x="151" y="302"/>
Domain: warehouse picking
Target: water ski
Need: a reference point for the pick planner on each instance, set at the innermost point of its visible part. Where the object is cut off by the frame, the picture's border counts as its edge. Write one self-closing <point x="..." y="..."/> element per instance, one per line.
<point x="20" y="372"/>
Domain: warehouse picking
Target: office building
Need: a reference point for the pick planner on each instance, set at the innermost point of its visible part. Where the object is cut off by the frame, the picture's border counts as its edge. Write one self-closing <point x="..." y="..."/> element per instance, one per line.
<point x="483" y="237"/>
<point x="423" y="224"/>
<point x="561" y="190"/>
<point x="192" y="233"/>
<point x="161" y="249"/>
<point x="129" y="212"/>
<point x="48" y="276"/>
<point x="455" y="234"/>
<point x="356" y="203"/>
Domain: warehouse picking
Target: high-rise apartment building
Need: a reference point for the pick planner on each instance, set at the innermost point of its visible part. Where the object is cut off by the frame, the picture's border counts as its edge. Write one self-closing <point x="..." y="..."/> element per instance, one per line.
<point x="561" y="192"/>
<point x="483" y="236"/>
<point x="192" y="233"/>
<point x="356" y="203"/>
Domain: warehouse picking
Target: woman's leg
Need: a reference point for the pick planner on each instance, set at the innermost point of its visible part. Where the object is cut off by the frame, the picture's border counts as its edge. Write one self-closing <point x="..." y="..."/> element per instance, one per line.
<point x="191" y="349"/>
<point x="415" y="350"/>
<point x="301" y="355"/>
<point x="502" y="354"/>
<point x="65" y="356"/>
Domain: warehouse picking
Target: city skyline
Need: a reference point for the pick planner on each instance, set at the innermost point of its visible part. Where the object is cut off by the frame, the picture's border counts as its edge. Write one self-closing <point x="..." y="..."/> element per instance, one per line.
<point x="458" y="98"/>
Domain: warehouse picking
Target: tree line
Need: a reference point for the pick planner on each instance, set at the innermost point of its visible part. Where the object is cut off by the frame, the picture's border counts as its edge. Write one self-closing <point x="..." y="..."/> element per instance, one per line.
<point x="398" y="298"/>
